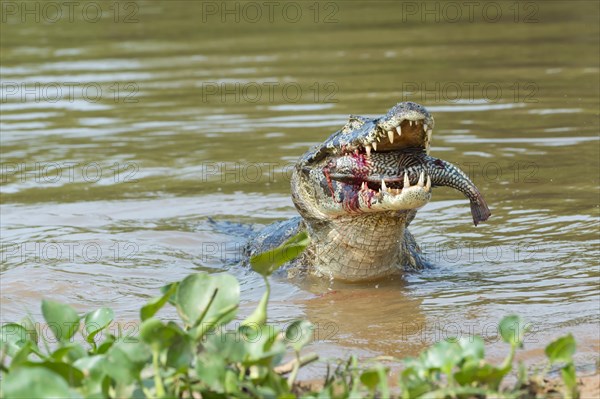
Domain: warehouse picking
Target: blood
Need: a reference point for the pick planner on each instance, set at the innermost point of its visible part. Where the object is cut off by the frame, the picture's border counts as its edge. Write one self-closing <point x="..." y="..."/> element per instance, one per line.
<point x="369" y="196"/>
<point x="350" y="198"/>
<point x="351" y="192"/>
<point x="362" y="166"/>
<point x="326" y="172"/>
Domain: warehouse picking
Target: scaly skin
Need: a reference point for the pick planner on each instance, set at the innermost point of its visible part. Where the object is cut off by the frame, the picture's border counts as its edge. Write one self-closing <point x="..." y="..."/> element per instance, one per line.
<point x="357" y="225"/>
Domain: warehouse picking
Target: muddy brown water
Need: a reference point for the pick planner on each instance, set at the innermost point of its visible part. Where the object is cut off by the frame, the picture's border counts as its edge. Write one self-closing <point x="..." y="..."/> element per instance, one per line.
<point x="124" y="131"/>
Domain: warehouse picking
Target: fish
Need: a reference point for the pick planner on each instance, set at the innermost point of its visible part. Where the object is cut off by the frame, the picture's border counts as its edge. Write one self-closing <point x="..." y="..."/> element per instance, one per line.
<point x="391" y="167"/>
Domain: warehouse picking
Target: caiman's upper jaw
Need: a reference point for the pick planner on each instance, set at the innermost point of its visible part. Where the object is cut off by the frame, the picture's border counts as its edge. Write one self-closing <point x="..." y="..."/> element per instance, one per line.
<point x="405" y="125"/>
<point x="407" y="133"/>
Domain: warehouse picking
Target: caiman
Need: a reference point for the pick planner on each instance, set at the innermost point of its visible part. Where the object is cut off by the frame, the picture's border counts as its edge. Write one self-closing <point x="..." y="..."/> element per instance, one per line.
<point x="357" y="193"/>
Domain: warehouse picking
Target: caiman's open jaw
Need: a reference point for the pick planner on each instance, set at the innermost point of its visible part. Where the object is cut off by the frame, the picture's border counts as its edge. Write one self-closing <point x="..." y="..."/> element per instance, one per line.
<point x="405" y="125"/>
<point x="363" y="140"/>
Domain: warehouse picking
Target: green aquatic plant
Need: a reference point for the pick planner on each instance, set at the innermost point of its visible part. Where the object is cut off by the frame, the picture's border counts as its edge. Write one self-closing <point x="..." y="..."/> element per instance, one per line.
<point x="202" y="355"/>
<point x="196" y="356"/>
<point x="457" y="367"/>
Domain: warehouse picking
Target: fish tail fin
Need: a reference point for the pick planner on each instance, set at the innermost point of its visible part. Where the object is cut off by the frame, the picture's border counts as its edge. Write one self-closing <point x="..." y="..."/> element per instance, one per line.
<point x="480" y="210"/>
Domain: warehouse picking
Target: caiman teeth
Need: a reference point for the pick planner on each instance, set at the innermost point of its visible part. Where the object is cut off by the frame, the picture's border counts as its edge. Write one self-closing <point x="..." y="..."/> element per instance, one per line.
<point x="391" y="136"/>
<point x="368" y="149"/>
<point x="397" y="129"/>
<point x="384" y="189"/>
<point x="421" y="181"/>
<point x="375" y="145"/>
<point x="406" y="181"/>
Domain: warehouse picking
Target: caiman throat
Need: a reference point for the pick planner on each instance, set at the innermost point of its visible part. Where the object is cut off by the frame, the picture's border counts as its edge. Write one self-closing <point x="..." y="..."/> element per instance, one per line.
<point x="359" y="190"/>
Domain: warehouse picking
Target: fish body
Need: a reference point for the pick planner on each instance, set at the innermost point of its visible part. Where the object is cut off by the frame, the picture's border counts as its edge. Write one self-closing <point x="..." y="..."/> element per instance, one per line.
<point x="391" y="169"/>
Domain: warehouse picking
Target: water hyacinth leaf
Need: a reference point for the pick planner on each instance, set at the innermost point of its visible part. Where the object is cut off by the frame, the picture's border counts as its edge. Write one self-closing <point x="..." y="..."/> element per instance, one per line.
<point x="76" y="352"/>
<point x="231" y="382"/>
<point x="258" y="317"/>
<point x="480" y="372"/>
<point x="119" y="367"/>
<point x="267" y="262"/>
<point x="181" y="353"/>
<point x="444" y="356"/>
<point x="124" y="362"/>
<point x="211" y="370"/>
<point x="376" y="377"/>
<point x="570" y="380"/>
<point x="205" y="298"/>
<point x="158" y="335"/>
<point x="13" y="336"/>
<point x="70" y="351"/>
<point x="29" y="325"/>
<point x="258" y="372"/>
<point x="370" y="378"/>
<point x="62" y="319"/>
<point x="470" y="372"/>
<point x="138" y="352"/>
<point x="155" y="304"/>
<point x="69" y="373"/>
<point x="225" y="304"/>
<point x="299" y="333"/>
<point x="412" y="384"/>
<point x="22" y="354"/>
<point x="561" y="349"/>
<point x="262" y="344"/>
<point x="193" y="296"/>
<point x="96" y="321"/>
<point x="228" y="346"/>
<point x="92" y="366"/>
<point x="34" y="382"/>
<point x="166" y="288"/>
<point x="512" y="329"/>
<point x="265" y="391"/>
<point x="472" y="347"/>
<point x="108" y="342"/>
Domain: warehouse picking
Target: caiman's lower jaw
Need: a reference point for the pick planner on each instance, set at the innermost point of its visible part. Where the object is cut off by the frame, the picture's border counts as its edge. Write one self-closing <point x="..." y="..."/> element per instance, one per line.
<point x="374" y="197"/>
